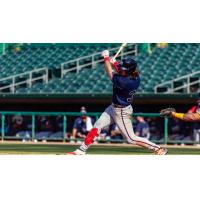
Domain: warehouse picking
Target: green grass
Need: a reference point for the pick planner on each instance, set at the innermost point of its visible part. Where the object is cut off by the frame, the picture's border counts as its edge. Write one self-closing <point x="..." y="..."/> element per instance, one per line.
<point x="20" y="148"/>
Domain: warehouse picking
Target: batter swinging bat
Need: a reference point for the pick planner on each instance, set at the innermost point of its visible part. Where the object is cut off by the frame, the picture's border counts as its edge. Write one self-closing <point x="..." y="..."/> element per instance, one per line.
<point x="120" y="49"/>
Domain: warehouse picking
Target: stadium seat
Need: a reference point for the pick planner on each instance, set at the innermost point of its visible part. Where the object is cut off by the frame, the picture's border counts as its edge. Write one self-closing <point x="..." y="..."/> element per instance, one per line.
<point x="33" y="56"/>
<point x="159" y="66"/>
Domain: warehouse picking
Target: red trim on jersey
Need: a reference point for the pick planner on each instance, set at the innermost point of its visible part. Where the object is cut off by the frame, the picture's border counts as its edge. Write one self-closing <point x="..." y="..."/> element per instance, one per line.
<point x="193" y="109"/>
<point x="115" y="66"/>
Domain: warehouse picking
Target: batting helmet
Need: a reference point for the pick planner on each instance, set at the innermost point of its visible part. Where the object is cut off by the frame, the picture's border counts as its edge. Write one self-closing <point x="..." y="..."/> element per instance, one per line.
<point x="126" y="66"/>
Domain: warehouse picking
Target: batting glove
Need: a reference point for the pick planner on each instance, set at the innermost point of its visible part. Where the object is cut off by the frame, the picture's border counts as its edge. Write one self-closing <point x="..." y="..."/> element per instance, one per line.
<point x="112" y="60"/>
<point x="105" y="53"/>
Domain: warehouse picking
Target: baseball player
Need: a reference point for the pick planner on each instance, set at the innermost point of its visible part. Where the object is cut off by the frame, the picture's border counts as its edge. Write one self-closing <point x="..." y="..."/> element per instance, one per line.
<point x="125" y="83"/>
<point x="190" y="117"/>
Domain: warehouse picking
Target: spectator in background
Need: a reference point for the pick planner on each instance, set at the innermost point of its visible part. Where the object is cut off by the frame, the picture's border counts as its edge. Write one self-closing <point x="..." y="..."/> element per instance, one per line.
<point x="58" y="129"/>
<point x="18" y="128"/>
<point x="115" y="133"/>
<point x="176" y="128"/>
<point x="142" y="128"/>
<point x="145" y="48"/>
<point x="17" y="122"/>
<point x="82" y="126"/>
<point x="155" y="128"/>
<point x="26" y="129"/>
<point x="179" y="131"/>
<point x="104" y="136"/>
<point x="110" y="134"/>
<point x="45" y="127"/>
<point x="162" y="45"/>
<point x="17" y="48"/>
<point x="193" y="89"/>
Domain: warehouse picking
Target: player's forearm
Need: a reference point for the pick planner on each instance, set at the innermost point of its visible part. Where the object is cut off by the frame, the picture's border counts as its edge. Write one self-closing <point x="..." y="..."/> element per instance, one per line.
<point x="190" y="117"/>
<point x="108" y="69"/>
<point x="107" y="63"/>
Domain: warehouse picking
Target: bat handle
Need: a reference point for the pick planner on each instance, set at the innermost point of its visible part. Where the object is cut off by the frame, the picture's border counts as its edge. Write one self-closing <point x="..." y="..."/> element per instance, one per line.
<point x="114" y="57"/>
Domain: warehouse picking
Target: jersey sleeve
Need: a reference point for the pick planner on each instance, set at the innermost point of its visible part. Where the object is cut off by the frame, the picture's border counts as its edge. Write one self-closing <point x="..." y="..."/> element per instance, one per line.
<point x="188" y="116"/>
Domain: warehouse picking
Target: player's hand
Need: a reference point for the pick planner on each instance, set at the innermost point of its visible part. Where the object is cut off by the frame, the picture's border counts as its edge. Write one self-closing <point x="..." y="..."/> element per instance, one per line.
<point x="113" y="60"/>
<point x="167" y="112"/>
<point x="105" y="53"/>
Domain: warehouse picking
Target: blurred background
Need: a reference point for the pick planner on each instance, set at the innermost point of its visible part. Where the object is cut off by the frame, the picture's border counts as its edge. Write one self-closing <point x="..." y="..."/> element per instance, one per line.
<point x="55" y="92"/>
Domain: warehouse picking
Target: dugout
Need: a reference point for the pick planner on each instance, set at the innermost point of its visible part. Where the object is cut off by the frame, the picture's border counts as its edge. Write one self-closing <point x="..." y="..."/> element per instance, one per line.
<point x="95" y="103"/>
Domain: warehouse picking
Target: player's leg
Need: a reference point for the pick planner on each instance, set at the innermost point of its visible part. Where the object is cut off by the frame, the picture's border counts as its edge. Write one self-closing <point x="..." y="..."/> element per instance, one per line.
<point x="123" y="121"/>
<point x="104" y="121"/>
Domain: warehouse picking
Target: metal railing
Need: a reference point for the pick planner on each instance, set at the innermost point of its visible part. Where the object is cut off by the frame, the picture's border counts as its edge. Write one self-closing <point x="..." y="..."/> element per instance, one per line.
<point x="65" y="116"/>
<point x="186" y="83"/>
<point x="91" y="60"/>
<point x="10" y="83"/>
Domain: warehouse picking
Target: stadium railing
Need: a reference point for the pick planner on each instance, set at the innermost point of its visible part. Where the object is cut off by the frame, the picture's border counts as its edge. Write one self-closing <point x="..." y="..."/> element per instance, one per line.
<point x="93" y="59"/>
<point x="65" y="116"/>
<point x="184" y="84"/>
<point x="28" y="78"/>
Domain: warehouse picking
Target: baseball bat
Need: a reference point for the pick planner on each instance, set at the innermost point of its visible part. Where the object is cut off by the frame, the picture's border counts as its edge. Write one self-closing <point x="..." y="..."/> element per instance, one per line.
<point x="120" y="49"/>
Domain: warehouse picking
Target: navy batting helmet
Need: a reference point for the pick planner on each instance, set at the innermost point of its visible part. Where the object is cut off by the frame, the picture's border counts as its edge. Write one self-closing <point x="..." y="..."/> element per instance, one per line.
<point x="126" y="66"/>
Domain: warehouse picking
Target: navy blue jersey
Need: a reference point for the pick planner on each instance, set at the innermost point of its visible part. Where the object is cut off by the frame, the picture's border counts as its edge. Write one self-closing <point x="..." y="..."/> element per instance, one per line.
<point x="124" y="89"/>
<point x="143" y="129"/>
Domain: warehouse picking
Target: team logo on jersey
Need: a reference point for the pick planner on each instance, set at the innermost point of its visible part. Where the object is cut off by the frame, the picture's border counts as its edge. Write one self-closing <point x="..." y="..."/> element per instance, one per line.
<point x="132" y="93"/>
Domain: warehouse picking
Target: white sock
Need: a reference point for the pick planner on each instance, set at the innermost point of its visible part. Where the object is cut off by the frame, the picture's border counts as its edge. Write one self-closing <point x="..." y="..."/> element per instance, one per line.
<point x="83" y="147"/>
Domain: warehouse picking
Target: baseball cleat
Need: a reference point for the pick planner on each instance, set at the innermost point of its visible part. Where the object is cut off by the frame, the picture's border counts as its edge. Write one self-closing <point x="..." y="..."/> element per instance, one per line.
<point x="161" y="151"/>
<point x="77" y="152"/>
